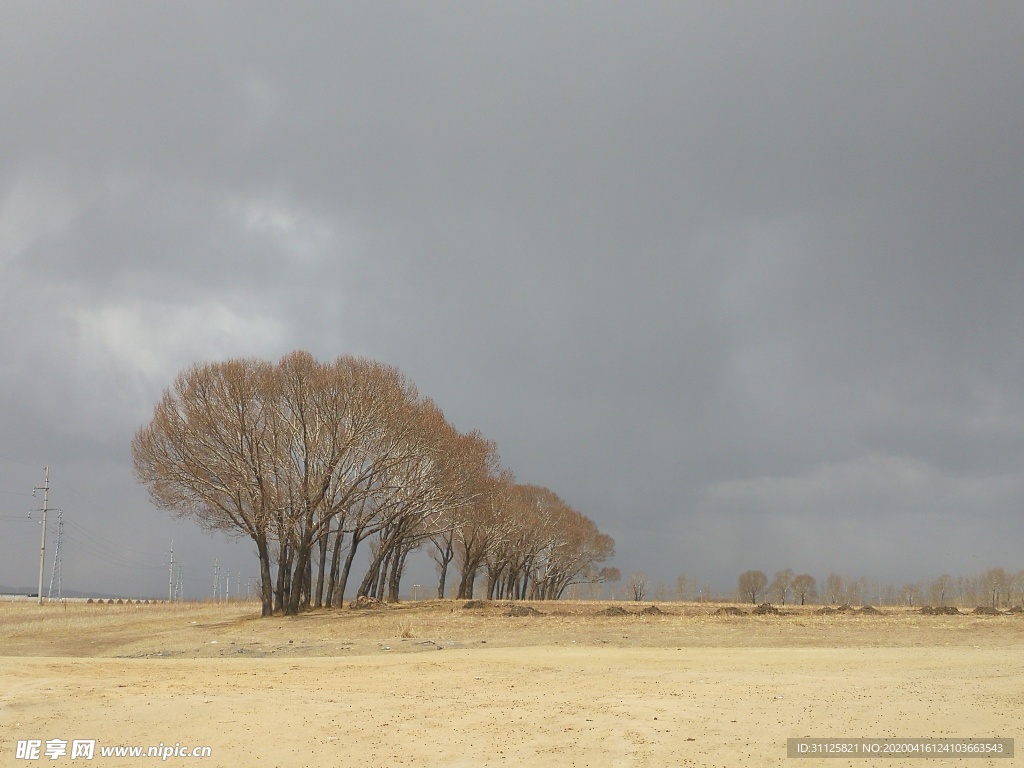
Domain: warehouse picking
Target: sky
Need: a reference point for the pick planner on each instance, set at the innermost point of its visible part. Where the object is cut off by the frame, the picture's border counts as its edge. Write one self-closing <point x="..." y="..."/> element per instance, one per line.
<point x="742" y="282"/>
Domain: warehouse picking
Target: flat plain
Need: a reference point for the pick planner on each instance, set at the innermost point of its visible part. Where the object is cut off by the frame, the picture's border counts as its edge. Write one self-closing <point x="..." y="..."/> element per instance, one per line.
<point x="433" y="684"/>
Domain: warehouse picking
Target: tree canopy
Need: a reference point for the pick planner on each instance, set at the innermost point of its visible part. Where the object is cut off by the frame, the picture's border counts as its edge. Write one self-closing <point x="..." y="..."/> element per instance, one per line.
<point x="311" y="459"/>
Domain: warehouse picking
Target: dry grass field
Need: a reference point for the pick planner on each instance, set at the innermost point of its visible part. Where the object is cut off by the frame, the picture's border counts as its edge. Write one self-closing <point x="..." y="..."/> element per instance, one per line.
<point x="435" y="684"/>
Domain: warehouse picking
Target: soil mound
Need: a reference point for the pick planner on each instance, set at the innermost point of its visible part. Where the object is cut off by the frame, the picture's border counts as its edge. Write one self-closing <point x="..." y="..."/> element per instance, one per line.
<point x="940" y="610"/>
<point x="766" y="609"/>
<point x="522" y="610"/>
<point x="828" y="609"/>
<point x="1016" y="609"/>
<point x="869" y="610"/>
<point x="730" y="610"/>
<point x="366" y="603"/>
<point x="652" y="610"/>
<point x="613" y="611"/>
<point x="986" y="610"/>
<point x="475" y="604"/>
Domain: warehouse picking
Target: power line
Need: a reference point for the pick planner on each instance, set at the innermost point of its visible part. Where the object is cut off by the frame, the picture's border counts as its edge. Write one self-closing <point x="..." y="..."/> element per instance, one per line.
<point x="99" y="549"/>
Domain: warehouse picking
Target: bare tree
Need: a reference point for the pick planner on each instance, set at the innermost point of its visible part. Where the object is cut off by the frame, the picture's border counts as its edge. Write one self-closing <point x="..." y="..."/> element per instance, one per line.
<point x="638" y="585"/>
<point x="782" y="582"/>
<point x="684" y="587"/>
<point x="310" y="460"/>
<point x="752" y="584"/>
<point x="804" y="586"/>
<point x="997" y="586"/>
<point x="939" y="589"/>
<point x="207" y="453"/>
<point x="835" y="588"/>
<point x="911" y="594"/>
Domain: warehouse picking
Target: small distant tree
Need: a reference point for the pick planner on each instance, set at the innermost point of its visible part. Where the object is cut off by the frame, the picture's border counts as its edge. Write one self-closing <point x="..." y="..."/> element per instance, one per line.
<point x="835" y="587"/>
<point x="782" y="582"/>
<point x="939" y="590"/>
<point x="804" y="587"/>
<point x="997" y="586"/>
<point x="911" y="594"/>
<point x="638" y="585"/>
<point x="855" y="591"/>
<point x="888" y="594"/>
<point x="682" y="588"/>
<point x="752" y="584"/>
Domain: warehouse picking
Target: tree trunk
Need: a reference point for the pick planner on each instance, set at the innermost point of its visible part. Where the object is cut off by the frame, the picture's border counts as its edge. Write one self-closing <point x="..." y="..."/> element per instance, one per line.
<point x="283" y="576"/>
<point x="446" y="556"/>
<point x="332" y="582"/>
<point x="325" y="540"/>
<point x="266" y="585"/>
<point x="347" y="568"/>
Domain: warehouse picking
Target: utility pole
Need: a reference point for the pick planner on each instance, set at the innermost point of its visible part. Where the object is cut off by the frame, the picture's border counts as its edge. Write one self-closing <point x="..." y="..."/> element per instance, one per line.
<point x="216" y="580"/>
<point x="45" y="488"/>
<point x="170" y="576"/>
<point x="57" y="570"/>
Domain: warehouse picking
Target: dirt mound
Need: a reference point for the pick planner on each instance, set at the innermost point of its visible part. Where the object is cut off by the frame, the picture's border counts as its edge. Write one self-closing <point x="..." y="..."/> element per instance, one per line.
<point x="1016" y="609"/>
<point x="652" y="610"/>
<point x="940" y="610"/>
<point x="522" y="610"/>
<point x="844" y="608"/>
<point x="986" y="610"/>
<point x="366" y="603"/>
<point x="868" y="610"/>
<point x="475" y="604"/>
<point x="766" y="609"/>
<point x="730" y="610"/>
<point x="613" y="611"/>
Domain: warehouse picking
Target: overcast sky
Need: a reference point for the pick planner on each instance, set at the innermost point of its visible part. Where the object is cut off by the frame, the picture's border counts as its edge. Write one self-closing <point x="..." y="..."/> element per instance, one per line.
<point x="742" y="282"/>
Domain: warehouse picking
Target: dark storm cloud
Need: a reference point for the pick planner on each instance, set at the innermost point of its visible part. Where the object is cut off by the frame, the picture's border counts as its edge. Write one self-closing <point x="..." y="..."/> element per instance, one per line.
<point x="727" y="278"/>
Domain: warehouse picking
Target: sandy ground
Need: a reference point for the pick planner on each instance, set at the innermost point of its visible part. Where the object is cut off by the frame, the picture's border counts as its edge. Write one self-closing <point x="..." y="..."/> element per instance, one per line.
<point x="477" y="688"/>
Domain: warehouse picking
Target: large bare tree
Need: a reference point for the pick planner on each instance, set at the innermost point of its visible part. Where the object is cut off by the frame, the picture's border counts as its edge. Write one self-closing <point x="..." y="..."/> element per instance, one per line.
<point x="208" y="454"/>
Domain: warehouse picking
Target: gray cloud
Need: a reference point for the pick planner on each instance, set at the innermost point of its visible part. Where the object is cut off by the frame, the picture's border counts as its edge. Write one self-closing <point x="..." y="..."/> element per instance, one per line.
<point x="740" y="283"/>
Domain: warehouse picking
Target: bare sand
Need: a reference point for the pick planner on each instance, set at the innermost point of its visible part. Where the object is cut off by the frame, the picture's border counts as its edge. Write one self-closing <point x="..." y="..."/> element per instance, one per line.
<point x="432" y="684"/>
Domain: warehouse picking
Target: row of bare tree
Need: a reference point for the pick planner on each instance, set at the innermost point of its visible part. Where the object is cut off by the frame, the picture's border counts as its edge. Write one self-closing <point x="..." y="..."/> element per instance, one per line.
<point x="995" y="587"/>
<point x="313" y="460"/>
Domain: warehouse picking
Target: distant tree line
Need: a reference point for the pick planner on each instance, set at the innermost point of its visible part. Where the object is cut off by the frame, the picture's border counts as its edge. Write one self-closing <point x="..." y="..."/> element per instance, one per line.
<point x="315" y="461"/>
<point x="995" y="587"/>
